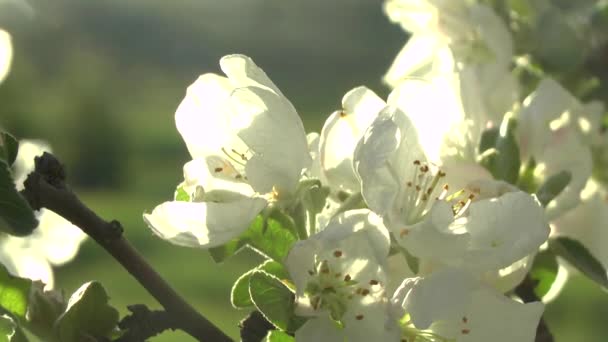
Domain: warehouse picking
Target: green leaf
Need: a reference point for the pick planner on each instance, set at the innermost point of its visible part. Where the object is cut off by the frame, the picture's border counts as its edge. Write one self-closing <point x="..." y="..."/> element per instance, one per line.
<point x="500" y="153"/>
<point x="544" y="272"/>
<point x="16" y="216"/>
<point x="552" y="187"/>
<point x="88" y="314"/>
<point x="278" y="336"/>
<point x="271" y="236"/>
<point x="274" y="300"/>
<point x="578" y="256"/>
<point x="8" y="148"/>
<point x="240" y="297"/>
<point x="10" y="331"/>
<point x="14" y="293"/>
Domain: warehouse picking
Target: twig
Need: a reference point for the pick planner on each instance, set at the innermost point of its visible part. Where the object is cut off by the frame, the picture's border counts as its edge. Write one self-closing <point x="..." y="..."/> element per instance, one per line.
<point x="525" y="291"/>
<point x="46" y="187"/>
<point x="144" y="323"/>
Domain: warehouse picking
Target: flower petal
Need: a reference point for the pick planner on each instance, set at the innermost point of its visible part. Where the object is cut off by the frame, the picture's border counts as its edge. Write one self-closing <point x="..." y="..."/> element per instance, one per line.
<point x="203" y="224"/>
<point x="341" y="133"/>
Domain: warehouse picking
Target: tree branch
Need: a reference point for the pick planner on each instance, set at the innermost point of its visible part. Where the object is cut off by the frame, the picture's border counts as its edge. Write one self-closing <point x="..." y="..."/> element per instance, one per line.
<point x="525" y="291"/>
<point x="46" y="187"/>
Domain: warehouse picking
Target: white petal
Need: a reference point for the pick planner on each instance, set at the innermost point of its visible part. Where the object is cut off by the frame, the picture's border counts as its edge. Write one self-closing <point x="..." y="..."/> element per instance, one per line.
<point x="273" y="131"/>
<point x="243" y="72"/>
<point x="494" y="317"/>
<point x="441" y="296"/>
<point x="384" y="158"/>
<point x="341" y="133"/>
<point x="203" y="224"/>
<point x="504" y="230"/>
<point x="319" y="329"/>
<point x="6" y="54"/>
<point x="58" y="239"/>
<point x="588" y="222"/>
<point x="436" y="237"/>
<point x="202" y="117"/>
<point x="414" y="60"/>
<point x="24" y="163"/>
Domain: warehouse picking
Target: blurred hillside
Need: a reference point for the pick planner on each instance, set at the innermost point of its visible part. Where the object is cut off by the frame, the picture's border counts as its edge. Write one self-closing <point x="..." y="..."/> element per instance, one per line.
<point x="100" y="77"/>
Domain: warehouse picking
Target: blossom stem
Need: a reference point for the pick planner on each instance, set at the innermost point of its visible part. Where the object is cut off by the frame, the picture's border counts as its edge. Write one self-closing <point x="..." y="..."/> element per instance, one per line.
<point x="45" y="187"/>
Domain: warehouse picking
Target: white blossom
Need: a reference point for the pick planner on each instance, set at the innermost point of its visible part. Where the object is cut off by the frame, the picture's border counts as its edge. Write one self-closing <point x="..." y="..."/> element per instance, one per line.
<point x="398" y="184"/>
<point x="340" y="276"/>
<point x="248" y="147"/>
<point x="54" y="242"/>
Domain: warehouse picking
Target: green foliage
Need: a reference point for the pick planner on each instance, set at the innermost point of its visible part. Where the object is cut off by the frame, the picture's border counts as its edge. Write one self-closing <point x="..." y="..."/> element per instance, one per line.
<point x="544" y="272"/>
<point x="14" y="293"/>
<point x="16" y="216"/>
<point x="240" y="297"/>
<point x="553" y="186"/>
<point x="9" y="146"/>
<point x="274" y="300"/>
<point x="499" y="152"/>
<point x="272" y="236"/>
<point x="88" y="315"/>
<point x="578" y="256"/>
<point x="278" y="336"/>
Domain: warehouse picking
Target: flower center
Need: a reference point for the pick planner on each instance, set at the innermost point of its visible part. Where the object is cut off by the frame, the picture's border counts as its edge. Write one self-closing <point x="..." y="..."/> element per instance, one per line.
<point x="423" y="189"/>
<point x="329" y="289"/>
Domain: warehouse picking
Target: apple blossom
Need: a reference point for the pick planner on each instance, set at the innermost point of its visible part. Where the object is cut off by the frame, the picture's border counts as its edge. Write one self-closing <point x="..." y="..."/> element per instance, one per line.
<point x="249" y="149"/>
<point x="54" y="242"/>
<point x="339" y="275"/>
<point x="448" y="36"/>
<point x="399" y="185"/>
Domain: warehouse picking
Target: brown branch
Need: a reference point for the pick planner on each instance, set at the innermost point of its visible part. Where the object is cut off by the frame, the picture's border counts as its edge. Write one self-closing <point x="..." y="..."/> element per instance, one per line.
<point x="525" y="291"/>
<point x="45" y="187"/>
<point x="144" y="323"/>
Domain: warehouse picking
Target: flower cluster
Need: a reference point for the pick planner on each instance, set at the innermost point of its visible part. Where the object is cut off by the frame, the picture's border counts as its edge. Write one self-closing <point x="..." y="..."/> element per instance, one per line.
<point x="410" y="218"/>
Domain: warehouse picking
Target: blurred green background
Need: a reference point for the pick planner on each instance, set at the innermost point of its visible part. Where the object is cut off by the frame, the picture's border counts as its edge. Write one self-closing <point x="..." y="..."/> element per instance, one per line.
<point x="100" y="80"/>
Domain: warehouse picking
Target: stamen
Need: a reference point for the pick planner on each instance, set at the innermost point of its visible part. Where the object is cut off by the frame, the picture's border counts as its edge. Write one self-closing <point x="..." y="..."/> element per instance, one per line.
<point x="231" y="156"/>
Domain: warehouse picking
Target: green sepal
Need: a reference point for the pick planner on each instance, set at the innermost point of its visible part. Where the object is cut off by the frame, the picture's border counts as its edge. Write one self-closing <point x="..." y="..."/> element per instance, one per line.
<point x="579" y="257"/>
<point x="181" y="195"/>
<point x="240" y="297"/>
<point x="552" y="187"/>
<point x="16" y="216"/>
<point x="544" y="272"/>
<point x="88" y="315"/>
<point x="274" y="300"/>
<point x="9" y="146"/>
